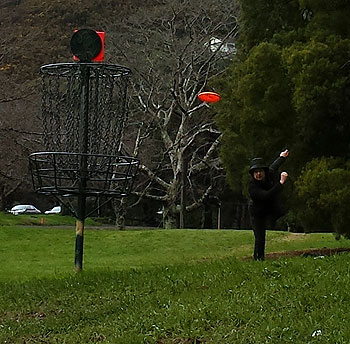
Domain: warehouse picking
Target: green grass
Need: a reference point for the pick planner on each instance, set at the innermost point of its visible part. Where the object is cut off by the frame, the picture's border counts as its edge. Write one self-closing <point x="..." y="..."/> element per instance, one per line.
<point x="41" y="252"/>
<point x="8" y="219"/>
<point x="169" y="286"/>
<point x="225" y="301"/>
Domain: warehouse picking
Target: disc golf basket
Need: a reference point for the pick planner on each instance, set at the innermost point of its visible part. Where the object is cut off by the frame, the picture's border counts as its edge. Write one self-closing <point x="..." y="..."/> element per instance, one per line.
<point x="84" y="110"/>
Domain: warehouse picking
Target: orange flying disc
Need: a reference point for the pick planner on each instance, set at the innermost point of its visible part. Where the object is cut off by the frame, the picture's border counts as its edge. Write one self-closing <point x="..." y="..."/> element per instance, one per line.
<point x="209" y="97"/>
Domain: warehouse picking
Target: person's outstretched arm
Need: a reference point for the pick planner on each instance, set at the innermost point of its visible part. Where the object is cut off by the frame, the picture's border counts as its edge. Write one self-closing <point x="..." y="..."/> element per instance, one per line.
<point x="279" y="161"/>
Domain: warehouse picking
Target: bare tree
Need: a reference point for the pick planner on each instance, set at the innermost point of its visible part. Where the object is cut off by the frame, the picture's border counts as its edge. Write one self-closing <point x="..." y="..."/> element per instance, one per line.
<point x="174" y="51"/>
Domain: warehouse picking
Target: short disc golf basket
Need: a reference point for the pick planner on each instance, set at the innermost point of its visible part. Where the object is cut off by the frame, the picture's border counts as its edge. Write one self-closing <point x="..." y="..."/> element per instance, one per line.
<point x="84" y="110"/>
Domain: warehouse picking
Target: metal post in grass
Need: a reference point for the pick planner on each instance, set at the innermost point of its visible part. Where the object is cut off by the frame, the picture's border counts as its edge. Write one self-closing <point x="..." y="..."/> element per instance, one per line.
<point x="84" y="110"/>
<point x="84" y="132"/>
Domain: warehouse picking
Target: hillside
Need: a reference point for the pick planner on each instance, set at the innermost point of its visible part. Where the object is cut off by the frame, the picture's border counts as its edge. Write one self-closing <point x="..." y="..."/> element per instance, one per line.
<point x="38" y="32"/>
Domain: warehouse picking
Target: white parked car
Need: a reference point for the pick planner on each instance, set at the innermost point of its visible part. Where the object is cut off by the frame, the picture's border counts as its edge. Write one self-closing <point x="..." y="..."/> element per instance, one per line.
<point x="24" y="209"/>
<point x="54" y="210"/>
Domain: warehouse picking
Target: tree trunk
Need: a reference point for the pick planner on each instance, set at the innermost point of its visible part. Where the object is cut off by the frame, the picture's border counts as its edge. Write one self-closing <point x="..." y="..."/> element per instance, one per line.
<point x="120" y="221"/>
<point x="120" y="212"/>
<point x="169" y="220"/>
<point x="2" y="199"/>
<point x="207" y="217"/>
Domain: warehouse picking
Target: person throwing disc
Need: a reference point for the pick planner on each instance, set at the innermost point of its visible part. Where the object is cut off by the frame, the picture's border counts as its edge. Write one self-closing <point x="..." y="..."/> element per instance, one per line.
<point x="264" y="205"/>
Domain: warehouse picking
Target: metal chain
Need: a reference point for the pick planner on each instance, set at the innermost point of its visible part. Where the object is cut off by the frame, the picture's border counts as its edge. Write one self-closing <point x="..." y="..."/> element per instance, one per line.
<point x="57" y="170"/>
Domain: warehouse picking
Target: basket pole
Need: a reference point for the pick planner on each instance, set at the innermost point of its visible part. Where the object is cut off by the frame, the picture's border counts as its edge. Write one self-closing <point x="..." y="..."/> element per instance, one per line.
<point x="83" y="146"/>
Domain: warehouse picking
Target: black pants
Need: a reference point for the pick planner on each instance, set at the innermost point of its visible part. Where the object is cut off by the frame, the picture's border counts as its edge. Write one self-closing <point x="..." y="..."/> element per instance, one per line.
<point x="260" y="223"/>
<point x="259" y="228"/>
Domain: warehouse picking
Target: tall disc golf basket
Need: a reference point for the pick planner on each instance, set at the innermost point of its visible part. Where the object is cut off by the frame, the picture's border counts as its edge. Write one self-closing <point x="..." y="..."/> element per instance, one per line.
<point x="84" y="110"/>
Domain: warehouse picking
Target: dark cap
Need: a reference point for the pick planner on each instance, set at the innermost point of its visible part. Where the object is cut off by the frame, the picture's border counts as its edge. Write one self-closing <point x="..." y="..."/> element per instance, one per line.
<point x="257" y="163"/>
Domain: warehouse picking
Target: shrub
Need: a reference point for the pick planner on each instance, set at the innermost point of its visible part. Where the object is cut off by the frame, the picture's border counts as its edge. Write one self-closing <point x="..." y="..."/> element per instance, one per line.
<point x="323" y="196"/>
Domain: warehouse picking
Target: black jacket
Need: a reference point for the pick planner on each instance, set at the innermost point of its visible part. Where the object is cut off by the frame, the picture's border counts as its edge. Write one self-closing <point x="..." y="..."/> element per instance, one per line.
<point x="265" y="194"/>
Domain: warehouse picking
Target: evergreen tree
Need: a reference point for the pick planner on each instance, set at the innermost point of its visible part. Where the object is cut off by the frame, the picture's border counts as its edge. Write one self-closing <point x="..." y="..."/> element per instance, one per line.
<point x="289" y="85"/>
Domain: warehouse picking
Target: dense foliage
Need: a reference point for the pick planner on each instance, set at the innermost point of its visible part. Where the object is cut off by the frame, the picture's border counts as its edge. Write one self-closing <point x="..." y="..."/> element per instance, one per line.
<point x="323" y="189"/>
<point x="288" y="87"/>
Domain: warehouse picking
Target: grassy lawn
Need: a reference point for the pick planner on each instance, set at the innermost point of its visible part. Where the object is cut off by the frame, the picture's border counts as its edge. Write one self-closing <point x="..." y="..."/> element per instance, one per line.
<point x="169" y="286"/>
<point x="7" y="219"/>
<point x="299" y="300"/>
<point x="46" y="252"/>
